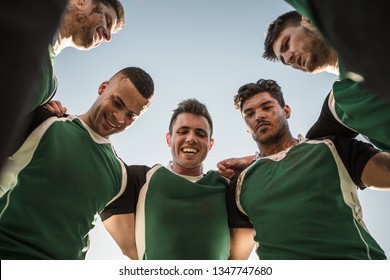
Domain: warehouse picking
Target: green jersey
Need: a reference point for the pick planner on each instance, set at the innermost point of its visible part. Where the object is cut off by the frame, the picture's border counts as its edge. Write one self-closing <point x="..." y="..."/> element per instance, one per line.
<point x="47" y="84"/>
<point x="55" y="186"/>
<point x="303" y="202"/>
<point x="351" y="104"/>
<point x="176" y="218"/>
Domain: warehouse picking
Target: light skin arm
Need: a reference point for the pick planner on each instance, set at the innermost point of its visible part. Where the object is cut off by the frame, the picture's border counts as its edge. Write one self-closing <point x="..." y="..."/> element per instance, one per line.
<point x="229" y="167"/>
<point x="122" y="229"/>
<point x="241" y="243"/>
<point x="376" y="173"/>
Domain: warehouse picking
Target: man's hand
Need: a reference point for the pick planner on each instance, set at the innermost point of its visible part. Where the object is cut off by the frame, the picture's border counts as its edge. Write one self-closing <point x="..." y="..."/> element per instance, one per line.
<point x="231" y="166"/>
<point x="56" y="108"/>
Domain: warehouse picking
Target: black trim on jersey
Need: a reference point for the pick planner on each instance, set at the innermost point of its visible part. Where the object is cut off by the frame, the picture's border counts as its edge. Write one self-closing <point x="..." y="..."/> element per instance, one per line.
<point x="236" y="218"/>
<point x="328" y="125"/>
<point x="127" y="202"/>
<point x="355" y="154"/>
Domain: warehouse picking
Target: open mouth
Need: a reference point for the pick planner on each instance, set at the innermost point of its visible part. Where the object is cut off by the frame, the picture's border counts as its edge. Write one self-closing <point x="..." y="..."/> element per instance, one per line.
<point x="189" y="151"/>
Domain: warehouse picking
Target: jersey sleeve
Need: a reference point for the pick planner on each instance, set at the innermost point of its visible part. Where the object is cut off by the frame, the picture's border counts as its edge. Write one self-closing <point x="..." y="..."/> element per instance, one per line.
<point x="32" y="121"/>
<point x="236" y="219"/>
<point x="127" y="202"/>
<point x="328" y="125"/>
<point x="355" y="154"/>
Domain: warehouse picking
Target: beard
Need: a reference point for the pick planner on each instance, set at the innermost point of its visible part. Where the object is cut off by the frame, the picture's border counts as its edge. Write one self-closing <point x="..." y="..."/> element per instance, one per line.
<point x="274" y="137"/>
<point x="78" y="26"/>
<point x="320" y="52"/>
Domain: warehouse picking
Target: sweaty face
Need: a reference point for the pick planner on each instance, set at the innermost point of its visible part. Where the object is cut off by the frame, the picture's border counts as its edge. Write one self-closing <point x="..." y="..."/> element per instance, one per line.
<point x="190" y="142"/>
<point x="303" y="49"/>
<point x="266" y="120"/>
<point x="90" y="25"/>
<point x="117" y="107"/>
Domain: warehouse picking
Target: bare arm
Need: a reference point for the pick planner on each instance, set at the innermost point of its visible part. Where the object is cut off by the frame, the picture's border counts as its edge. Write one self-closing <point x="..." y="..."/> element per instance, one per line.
<point x="376" y="173"/>
<point x="241" y="243"/>
<point x="122" y="229"/>
<point x="229" y="167"/>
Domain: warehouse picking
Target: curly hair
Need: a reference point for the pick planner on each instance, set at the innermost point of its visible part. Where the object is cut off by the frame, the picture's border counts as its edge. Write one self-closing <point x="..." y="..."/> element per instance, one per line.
<point x="248" y="90"/>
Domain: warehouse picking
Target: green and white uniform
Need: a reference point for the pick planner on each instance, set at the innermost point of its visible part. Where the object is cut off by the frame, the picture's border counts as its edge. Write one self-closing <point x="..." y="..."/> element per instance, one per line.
<point x="361" y="111"/>
<point x="55" y="186"/>
<point x="303" y="201"/>
<point x="351" y="104"/>
<point x="176" y="218"/>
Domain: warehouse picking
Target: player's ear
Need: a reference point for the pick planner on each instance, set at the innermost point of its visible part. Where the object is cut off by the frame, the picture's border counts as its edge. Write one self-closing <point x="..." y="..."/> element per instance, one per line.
<point x="103" y="87"/>
<point x="287" y="111"/>
<point x="168" y="139"/>
<point x="211" y="144"/>
<point x="307" y="22"/>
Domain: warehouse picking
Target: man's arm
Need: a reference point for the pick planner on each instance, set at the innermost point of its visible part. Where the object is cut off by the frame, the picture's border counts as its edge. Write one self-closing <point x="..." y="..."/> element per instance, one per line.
<point x="119" y="216"/>
<point x="367" y="166"/>
<point x="232" y="166"/>
<point x="328" y="125"/>
<point x="241" y="229"/>
<point x="241" y="243"/>
<point x="376" y="173"/>
<point x="122" y="229"/>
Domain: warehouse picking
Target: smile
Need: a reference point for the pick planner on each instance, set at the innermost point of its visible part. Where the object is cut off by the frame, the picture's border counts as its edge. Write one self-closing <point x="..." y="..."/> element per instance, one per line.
<point x="112" y="124"/>
<point x="189" y="151"/>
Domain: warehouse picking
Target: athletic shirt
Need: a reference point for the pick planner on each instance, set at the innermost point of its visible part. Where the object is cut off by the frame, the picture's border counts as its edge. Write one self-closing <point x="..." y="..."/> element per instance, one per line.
<point x="47" y="84"/>
<point x="351" y="104"/>
<point x="56" y="184"/>
<point x="303" y="202"/>
<point x="176" y="219"/>
<point x="360" y="110"/>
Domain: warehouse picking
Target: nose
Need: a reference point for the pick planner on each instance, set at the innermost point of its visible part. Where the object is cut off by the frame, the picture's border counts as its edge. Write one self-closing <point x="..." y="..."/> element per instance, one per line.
<point x="119" y="117"/>
<point x="191" y="137"/>
<point x="288" y="58"/>
<point x="259" y="114"/>
<point x="106" y="35"/>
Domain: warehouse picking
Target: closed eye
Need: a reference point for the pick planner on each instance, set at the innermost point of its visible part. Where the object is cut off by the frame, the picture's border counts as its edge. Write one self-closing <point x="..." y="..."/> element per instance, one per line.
<point x="132" y="116"/>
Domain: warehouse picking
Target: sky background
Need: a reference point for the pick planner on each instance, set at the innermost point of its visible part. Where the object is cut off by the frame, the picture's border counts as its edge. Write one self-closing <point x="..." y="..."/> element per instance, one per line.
<point x="204" y="49"/>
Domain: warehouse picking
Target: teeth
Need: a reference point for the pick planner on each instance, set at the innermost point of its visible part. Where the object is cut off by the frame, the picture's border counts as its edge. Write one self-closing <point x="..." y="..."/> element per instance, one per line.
<point x="189" y="150"/>
<point x="113" y="125"/>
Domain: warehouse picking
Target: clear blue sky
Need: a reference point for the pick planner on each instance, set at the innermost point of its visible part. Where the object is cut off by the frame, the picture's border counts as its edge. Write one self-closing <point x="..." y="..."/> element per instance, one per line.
<point x="204" y="49"/>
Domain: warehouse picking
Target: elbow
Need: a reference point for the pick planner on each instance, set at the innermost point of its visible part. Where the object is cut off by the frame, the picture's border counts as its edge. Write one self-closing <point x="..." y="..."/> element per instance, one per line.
<point x="131" y="253"/>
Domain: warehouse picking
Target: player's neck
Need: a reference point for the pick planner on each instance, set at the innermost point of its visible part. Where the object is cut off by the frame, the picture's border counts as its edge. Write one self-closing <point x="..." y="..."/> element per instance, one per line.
<point x="196" y="171"/>
<point x="285" y="142"/>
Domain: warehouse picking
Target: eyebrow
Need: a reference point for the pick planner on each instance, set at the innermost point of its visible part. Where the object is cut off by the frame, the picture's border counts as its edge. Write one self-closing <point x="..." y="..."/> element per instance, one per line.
<point x="282" y="49"/>
<point x="188" y="127"/>
<point x="265" y="103"/>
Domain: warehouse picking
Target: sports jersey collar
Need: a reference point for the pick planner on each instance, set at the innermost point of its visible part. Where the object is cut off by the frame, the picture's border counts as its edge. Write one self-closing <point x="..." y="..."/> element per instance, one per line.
<point x="189" y="178"/>
<point x="282" y="154"/>
<point x="96" y="137"/>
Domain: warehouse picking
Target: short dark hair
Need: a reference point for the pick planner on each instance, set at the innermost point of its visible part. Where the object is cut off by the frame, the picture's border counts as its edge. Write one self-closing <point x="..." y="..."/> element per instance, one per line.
<point x="117" y="5"/>
<point x="140" y="79"/>
<point x="248" y="90"/>
<point x="192" y="106"/>
<point x="292" y="18"/>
